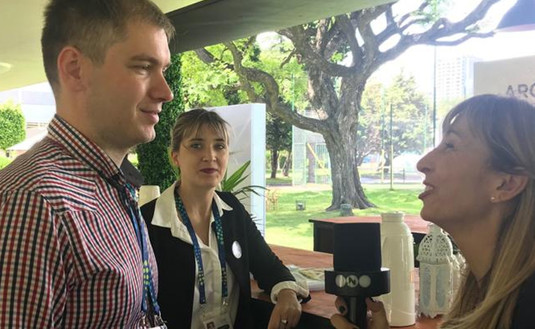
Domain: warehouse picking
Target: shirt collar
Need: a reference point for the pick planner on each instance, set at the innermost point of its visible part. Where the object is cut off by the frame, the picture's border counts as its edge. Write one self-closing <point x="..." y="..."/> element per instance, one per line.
<point x="165" y="214"/>
<point x="83" y="149"/>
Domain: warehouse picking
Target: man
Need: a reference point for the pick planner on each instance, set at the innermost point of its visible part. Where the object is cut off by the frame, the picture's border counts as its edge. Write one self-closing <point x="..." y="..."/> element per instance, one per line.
<point x="73" y="251"/>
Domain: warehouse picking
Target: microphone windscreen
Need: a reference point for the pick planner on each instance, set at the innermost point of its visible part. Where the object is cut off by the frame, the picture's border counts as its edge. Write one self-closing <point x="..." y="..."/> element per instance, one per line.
<point x="357" y="247"/>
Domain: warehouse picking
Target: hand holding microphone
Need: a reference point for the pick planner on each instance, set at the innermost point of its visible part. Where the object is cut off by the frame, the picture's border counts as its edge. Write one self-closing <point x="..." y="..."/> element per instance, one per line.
<point x="377" y="321"/>
<point x="357" y="270"/>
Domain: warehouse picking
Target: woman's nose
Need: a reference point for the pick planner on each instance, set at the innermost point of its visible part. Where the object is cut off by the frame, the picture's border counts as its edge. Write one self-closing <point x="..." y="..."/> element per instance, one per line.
<point x="208" y="155"/>
<point x="424" y="164"/>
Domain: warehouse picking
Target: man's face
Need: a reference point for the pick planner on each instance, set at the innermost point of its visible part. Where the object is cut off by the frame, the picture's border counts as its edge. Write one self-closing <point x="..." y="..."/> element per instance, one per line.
<point x="125" y="93"/>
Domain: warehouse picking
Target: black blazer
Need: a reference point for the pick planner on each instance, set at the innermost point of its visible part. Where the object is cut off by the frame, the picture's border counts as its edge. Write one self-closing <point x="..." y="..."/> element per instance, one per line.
<point x="176" y="264"/>
<point x="523" y="313"/>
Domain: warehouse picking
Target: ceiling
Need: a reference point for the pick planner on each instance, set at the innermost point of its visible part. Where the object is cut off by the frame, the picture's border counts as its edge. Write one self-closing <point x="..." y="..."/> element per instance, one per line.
<point x="198" y="23"/>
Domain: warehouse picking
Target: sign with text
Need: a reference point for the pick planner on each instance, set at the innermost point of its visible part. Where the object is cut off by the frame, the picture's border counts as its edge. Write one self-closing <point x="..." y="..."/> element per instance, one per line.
<point x="510" y="77"/>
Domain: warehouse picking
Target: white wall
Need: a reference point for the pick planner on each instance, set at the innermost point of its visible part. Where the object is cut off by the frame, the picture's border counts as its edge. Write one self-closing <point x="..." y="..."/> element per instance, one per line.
<point x="248" y="142"/>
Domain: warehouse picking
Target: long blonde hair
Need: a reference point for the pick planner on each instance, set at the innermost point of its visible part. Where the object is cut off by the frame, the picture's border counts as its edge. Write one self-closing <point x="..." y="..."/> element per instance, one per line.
<point x="507" y="126"/>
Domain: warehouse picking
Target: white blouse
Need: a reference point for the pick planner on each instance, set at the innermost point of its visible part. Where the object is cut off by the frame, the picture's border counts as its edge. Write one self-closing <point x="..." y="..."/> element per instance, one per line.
<point x="212" y="268"/>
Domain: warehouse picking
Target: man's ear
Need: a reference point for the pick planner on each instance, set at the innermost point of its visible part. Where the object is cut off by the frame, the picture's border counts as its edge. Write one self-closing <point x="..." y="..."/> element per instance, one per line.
<point x="510" y="187"/>
<point x="174" y="158"/>
<point x="70" y="68"/>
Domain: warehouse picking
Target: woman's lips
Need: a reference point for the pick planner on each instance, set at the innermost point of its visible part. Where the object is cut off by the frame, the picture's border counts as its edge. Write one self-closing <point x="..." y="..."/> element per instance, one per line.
<point x="426" y="192"/>
<point x="209" y="170"/>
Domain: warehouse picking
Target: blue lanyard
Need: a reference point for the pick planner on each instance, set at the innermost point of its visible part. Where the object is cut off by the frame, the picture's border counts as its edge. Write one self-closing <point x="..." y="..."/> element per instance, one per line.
<point x="148" y="282"/>
<point x="197" y="249"/>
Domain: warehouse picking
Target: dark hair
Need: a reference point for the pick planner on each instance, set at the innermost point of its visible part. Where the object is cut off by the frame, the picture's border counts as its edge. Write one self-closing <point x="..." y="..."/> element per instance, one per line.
<point x="190" y="122"/>
<point x="93" y="26"/>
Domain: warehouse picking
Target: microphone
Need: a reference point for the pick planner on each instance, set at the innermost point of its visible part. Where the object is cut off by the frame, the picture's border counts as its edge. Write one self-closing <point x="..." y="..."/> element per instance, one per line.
<point x="357" y="270"/>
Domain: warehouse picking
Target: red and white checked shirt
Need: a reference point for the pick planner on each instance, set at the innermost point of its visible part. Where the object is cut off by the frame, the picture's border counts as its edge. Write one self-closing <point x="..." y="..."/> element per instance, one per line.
<point x="69" y="256"/>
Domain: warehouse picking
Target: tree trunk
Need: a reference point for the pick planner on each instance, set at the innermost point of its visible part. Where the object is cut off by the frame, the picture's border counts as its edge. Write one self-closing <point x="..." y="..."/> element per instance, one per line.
<point x="347" y="187"/>
<point x="287" y="165"/>
<point x="274" y="163"/>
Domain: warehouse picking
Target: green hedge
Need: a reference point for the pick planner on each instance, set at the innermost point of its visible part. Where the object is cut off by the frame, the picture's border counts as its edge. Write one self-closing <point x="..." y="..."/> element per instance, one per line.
<point x="12" y="125"/>
<point x="153" y="157"/>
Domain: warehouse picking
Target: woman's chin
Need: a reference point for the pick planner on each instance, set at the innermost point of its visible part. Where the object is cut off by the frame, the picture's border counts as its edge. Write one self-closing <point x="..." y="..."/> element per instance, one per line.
<point x="427" y="215"/>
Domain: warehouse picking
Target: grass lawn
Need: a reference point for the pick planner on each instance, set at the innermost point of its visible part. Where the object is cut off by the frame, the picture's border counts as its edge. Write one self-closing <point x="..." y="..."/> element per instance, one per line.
<point x="279" y="181"/>
<point x="4" y="161"/>
<point x="288" y="227"/>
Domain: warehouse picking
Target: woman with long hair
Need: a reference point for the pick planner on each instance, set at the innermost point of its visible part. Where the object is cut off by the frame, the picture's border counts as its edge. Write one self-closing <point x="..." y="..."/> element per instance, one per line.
<point x="480" y="188"/>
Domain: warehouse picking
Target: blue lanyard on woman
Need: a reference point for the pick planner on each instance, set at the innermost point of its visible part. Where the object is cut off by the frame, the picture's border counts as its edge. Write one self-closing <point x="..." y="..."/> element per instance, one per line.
<point x="197" y="249"/>
<point x="148" y="282"/>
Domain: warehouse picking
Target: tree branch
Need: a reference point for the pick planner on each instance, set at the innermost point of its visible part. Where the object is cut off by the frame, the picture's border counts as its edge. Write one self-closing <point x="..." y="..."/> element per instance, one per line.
<point x="271" y="89"/>
<point x="208" y="58"/>
<point x="288" y="58"/>
<point x="205" y="56"/>
<point x="298" y="37"/>
<point x="350" y="32"/>
<point x="440" y="29"/>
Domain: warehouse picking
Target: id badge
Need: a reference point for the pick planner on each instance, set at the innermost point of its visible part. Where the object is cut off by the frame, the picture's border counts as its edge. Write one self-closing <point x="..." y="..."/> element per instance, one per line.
<point x="159" y="324"/>
<point x="221" y="321"/>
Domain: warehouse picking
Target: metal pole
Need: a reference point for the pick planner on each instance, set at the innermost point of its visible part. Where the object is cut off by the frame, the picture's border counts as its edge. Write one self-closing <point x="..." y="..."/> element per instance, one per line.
<point x="434" y="95"/>
<point x="293" y="89"/>
<point x="425" y="129"/>
<point x="391" y="151"/>
<point x="383" y="110"/>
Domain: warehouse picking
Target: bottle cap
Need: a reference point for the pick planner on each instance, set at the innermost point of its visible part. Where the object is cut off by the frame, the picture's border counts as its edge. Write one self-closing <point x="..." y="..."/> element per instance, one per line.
<point x="396" y="216"/>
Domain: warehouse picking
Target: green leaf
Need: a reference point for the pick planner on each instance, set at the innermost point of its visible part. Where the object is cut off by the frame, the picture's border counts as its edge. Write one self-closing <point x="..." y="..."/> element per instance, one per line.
<point x="229" y="184"/>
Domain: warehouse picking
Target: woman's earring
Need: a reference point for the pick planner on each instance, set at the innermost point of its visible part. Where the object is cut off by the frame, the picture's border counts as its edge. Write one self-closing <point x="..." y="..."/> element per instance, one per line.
<point x="493" y="199"/>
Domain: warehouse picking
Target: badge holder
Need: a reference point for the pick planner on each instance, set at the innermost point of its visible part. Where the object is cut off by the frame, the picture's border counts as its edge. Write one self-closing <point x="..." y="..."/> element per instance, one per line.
<point x="158" y="323"/>
<point x="217" y="321"/>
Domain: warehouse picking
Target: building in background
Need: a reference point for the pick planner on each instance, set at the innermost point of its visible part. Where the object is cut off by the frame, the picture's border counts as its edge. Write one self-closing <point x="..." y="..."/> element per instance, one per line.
<point x="37" y="103"/>
<point x="455" y="77"/>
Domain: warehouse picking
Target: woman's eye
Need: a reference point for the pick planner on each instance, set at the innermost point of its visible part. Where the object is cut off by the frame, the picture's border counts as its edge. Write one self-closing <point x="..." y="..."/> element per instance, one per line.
<point x="220" y="146"/>
<point x="448" y="145"/>
<point x="195" y="146"/>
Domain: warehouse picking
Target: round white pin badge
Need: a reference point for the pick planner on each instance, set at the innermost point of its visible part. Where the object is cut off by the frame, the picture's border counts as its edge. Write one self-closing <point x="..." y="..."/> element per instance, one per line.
<point x="236" y="249"/>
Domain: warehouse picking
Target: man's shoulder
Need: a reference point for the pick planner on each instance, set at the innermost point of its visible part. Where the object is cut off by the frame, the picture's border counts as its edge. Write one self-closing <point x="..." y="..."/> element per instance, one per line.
<point x="49" y="171"/>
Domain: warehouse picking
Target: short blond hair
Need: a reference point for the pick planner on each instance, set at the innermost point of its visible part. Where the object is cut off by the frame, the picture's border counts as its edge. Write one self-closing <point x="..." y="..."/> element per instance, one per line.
<point x="189" y="123"/>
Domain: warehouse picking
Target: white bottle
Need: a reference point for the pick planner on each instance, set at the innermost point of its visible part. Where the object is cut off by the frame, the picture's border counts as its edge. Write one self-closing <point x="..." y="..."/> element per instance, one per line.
<point x="398" y="255"/>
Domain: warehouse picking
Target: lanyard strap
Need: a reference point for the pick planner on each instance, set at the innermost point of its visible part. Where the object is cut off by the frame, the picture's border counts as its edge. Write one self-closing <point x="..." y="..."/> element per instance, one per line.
<point x="128" y="197"/>
<point x="138" y="223"/>
<point x="197" y="249"/>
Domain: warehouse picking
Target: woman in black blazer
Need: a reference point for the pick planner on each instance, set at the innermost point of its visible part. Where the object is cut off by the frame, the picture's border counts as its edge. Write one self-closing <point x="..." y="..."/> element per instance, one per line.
<point x="206" y="243"/>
